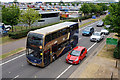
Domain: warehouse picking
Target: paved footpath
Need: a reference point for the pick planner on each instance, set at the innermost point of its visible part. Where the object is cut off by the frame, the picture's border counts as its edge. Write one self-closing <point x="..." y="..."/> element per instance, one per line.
<point x="22" y="42"/>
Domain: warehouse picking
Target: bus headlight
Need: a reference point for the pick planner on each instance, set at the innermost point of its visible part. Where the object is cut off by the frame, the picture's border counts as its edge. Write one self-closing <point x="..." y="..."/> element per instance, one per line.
<point x="40" y="47"/>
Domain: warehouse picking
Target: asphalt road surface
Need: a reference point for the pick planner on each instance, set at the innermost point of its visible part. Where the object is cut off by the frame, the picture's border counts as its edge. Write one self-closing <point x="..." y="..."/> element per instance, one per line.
<point x="17" y="67"/>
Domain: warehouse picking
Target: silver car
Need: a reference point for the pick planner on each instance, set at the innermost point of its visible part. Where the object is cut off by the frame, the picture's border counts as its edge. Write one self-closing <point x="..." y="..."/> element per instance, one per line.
<point x="97" y="36"/>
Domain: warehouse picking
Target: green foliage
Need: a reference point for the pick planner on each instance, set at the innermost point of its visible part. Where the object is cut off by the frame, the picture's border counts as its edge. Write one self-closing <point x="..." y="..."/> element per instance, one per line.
<point x="54" y="3"/>
<point x="116" y="53"/>
<point x="73" y="4"/>
<point x="103" y="6"/>
<point x="29" y="16"/>
<point x="10" y="15"/>
<point x="50" y="3"/>
<point x="113" y="18"/>
<point x="85" y="8"/>
<point x="68" y="4"/>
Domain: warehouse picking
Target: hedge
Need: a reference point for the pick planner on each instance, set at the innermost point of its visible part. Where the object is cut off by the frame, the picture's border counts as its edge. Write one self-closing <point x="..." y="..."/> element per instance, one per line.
<point x="23" y="33"/>
<point x="116" y="53"/>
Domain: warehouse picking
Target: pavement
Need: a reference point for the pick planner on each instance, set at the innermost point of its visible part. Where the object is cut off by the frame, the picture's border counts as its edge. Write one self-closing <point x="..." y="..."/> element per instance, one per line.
<point x="16" y="66"/>
<point x="22" y="42"/>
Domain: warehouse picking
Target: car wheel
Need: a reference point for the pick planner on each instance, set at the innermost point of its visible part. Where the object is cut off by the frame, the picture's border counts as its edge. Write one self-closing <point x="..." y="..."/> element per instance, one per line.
<point x="98" y="41"/>
<point x="79" y="61"/>
<point x="90" y="40"/>
<point x="86" y="55"/>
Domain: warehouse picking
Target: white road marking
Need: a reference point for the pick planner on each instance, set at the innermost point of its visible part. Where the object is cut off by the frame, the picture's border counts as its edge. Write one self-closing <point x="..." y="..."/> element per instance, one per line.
<point x="64" y="71"/>
<point x="91" y="46"/>
<point x="15" y="77"/>
<point x="71" y="65"/>
<point x="11" y="59"/>
<point x="79" y="38"/>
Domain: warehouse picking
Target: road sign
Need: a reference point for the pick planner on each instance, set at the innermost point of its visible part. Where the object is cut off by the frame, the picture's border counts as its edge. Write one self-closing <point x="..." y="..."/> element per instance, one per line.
<point x="112" y="41"/>
<point x="94" y="17"/>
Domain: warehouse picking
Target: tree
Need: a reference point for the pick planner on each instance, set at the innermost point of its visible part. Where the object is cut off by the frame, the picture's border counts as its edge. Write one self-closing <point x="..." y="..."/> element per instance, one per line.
<point x="113" y="19"/>
<point x="98" y="9"/>
<point x="85" y="8"/>
<point x="29" y="16"/>
<point x="15" y="1"/>
<point x="73" y="4"/>
<point x="103" y="6"/>
<point x="50" y="3"/>
<point x="68" y="4"/>
<point x="10" y="15"/>
<point x="54" y="3"/>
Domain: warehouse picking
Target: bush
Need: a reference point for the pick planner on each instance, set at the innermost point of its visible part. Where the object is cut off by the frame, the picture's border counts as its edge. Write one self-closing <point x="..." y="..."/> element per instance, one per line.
<point x="116" y="53"/>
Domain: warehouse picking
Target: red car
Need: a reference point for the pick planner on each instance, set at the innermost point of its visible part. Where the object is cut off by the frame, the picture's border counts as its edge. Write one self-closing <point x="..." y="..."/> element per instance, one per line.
<point x="76" y="55"/>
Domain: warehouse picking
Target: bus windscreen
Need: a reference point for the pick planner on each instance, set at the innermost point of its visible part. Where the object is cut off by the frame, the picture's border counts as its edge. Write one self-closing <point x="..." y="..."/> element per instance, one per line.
<point x="35" y="39"/>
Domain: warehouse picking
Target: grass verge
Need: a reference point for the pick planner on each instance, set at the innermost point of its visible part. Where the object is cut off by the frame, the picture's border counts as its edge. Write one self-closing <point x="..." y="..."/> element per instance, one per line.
<point x="7" y="39"/>
<point x="11" y="53"/>
<point x="107" y="51"/>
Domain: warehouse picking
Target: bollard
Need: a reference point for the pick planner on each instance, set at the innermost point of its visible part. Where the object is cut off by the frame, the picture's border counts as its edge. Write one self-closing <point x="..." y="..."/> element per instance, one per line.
<point x="116" y="64"/>
<point x="111" y="75"/>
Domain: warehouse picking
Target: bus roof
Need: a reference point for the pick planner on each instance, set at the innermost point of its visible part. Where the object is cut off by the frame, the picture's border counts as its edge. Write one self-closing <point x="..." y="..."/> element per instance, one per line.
<point x="53" y="28"/>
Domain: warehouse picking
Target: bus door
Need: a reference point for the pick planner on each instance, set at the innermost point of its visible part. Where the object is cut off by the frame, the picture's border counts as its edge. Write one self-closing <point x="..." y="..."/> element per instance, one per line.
<point x="47" y="57"/>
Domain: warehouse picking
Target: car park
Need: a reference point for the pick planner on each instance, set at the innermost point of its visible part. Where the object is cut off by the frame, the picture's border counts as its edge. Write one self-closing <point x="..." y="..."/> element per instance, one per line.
<point x="97" y="36"/>
<point x="88" y="31"/>
<point x="100" y="24"/>
<point x="76" y="55"/>
<point x="106" y="32"/>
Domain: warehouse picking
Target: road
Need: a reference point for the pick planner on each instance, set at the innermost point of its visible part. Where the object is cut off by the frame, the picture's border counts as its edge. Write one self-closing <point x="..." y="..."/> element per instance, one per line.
<point x="17" y="67"/>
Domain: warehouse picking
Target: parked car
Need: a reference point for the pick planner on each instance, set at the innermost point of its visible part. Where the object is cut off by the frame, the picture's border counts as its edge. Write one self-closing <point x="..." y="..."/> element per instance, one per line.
<point x="76" y="55"/>
<point x="4" y="28"/>
<point x="88" y="31"/>
<point x="100" y="24"/>
<point x="8" y="27"/>
<point x="106" y="32"/>
<point x="97" y="36"/>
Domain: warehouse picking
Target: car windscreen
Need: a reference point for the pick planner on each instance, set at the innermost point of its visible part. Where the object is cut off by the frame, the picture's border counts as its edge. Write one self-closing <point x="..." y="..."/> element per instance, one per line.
<point x="87" y="29"/>
<point x="75" y="53"/>
<point x="96" y="34"/>
<point x="35" y="39"/>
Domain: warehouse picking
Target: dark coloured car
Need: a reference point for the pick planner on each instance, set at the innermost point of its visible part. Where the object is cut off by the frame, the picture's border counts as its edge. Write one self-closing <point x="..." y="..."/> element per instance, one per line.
<point x="100" y="24"/>
<point x="88" y="31"/>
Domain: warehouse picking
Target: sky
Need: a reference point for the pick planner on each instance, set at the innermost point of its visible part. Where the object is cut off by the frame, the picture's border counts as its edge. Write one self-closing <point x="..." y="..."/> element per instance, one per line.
<point x="43" y="0"/>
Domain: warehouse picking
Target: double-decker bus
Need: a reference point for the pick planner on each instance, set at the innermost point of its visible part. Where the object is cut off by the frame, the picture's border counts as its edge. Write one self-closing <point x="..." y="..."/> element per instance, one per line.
<point x="46" y="44"/>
